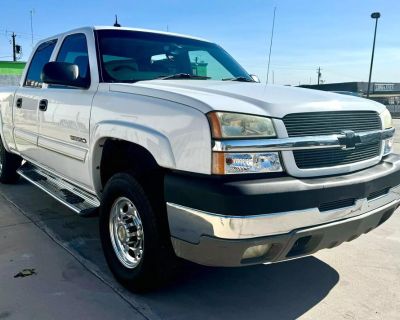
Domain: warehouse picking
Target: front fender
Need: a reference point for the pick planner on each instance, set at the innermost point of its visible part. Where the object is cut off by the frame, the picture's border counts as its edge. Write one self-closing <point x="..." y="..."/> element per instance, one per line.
<point x="153" y="141"/>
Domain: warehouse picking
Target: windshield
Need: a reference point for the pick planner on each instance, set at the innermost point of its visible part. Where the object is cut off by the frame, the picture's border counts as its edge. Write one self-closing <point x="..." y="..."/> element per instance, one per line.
<point x="130" y="56"/>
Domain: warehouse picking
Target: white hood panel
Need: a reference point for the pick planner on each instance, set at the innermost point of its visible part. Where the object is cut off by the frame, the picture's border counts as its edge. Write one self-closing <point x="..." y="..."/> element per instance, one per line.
<point x="253" y="98"/>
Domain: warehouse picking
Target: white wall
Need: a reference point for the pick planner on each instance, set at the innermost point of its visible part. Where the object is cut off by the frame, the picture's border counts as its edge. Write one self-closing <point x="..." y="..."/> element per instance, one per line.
<point x="9" y="80"/>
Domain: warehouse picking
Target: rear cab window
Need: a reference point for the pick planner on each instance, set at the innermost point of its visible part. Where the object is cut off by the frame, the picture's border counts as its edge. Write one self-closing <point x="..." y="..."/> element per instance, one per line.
<point x="39" y="59"/>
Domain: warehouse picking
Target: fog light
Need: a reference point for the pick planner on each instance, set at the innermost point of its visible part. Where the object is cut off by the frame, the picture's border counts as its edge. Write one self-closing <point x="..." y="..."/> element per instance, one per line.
<point x="388" y="147"/>
<point x="256" y="251"/>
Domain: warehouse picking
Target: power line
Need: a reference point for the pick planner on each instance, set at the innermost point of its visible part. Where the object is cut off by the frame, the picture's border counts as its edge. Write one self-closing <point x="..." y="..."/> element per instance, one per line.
<point x="276" y="66"/>
<point x="27" y="34"/>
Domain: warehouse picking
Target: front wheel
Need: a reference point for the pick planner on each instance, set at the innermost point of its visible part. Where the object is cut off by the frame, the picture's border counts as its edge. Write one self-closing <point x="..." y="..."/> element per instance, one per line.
<point x="131" y="234"/>
<point x="9" y="163"/>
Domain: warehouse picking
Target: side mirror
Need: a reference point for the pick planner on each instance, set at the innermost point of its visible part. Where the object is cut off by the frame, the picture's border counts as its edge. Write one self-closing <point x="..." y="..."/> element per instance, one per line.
<point x="255" y="78"/>
<point x="62" y="73"/>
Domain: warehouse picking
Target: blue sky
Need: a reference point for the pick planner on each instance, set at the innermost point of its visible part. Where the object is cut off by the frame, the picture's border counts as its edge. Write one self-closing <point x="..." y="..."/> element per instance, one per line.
<point x="336" y="35"/>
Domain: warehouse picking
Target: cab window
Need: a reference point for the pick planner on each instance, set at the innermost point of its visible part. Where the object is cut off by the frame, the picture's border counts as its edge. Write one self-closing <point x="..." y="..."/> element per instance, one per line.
<point x="40" y="58"/>
<point x="74" y="50"/>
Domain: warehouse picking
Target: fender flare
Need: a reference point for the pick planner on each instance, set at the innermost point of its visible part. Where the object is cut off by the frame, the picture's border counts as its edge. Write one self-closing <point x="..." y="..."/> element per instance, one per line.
<point x="156" y="143"/>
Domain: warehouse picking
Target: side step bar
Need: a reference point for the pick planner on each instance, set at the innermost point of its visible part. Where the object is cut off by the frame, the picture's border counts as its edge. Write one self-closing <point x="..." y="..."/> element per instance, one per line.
<point x="78" y="200"/>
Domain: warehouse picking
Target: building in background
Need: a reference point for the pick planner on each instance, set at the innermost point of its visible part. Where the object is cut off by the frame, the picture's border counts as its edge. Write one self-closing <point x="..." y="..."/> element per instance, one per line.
<point x="383" y="92"/>
<point x="10" y="72"/>
<point x="199" y="68"/>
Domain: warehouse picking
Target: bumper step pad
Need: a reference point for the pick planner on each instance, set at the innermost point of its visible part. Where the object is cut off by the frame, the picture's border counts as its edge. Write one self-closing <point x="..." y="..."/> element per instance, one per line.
<point x="75" y="198"/>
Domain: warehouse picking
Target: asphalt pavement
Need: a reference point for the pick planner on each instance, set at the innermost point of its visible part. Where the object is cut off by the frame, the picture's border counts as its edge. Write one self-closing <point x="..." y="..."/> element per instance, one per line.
<point x="52" y="267"/>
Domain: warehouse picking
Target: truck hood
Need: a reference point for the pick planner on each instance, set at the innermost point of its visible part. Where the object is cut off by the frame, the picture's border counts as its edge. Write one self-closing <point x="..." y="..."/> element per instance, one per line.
<point x="252" y="98"/>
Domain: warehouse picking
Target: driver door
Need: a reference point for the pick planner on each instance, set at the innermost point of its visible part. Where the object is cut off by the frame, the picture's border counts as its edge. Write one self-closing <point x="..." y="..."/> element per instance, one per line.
<point x="63" y="140"/>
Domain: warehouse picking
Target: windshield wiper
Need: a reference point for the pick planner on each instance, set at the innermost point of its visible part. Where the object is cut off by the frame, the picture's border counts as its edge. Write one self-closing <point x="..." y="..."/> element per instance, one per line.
<point x="183" y="76"/>
<point x="240" y="79"/>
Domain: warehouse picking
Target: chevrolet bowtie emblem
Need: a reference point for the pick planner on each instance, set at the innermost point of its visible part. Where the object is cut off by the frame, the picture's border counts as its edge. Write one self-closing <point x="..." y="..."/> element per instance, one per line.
<point x="349" y="139"/>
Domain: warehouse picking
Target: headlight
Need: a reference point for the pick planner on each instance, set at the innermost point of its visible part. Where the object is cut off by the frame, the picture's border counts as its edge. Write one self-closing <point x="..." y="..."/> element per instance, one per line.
<point x="387" y="119"/>
<point x="236" y="125"/>
<point x="226" y="125"/>
<point x="231" y="163"/>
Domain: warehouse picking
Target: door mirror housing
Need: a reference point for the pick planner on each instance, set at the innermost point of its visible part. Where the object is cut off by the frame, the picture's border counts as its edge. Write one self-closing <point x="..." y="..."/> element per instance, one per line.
<point x="64" y="74"/>
<point x="255" y="78"/>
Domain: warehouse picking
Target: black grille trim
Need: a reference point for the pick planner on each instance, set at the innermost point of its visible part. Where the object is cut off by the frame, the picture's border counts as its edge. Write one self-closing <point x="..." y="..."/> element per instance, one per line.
<point x="377" y="194"/>
<point x="337" y="204"/>
<point x="330" y="122"/>
<point x="321" y="158"/>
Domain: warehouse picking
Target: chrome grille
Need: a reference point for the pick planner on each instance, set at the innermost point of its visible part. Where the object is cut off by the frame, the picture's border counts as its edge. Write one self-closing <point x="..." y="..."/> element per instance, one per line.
<point x="333" y="122"/>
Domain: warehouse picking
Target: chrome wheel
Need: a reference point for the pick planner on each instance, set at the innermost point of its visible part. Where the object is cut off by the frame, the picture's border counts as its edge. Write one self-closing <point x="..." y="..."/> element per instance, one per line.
<point x="126" y="232"/>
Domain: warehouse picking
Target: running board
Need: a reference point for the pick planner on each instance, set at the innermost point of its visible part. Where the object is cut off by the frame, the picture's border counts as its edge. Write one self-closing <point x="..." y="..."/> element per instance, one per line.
<point x="78" y="200"/>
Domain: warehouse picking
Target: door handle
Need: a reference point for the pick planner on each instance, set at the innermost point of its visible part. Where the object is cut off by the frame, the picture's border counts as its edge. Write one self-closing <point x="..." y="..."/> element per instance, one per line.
<point x="19" y="103"/>
<point x="43" y="105"/>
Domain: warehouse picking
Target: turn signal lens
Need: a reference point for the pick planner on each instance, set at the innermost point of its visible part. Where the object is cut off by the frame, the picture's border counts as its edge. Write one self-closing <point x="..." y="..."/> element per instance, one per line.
<point x="235" y="163"/>
<point x="388" y="146"/>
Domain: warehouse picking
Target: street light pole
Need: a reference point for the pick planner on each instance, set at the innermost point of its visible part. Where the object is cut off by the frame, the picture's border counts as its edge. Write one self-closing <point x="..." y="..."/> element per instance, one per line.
<point x="376" y="16"/>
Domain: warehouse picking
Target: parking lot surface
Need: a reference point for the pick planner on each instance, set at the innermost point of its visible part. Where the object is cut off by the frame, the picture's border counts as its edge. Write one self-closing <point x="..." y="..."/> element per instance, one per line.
<point x="68" y="277"/>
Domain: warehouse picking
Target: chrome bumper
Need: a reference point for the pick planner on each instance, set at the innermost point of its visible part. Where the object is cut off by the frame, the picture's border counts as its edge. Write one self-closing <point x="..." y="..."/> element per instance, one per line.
<point x="190" y="224"/>
<point x="214" y="221"/>
<point x="232" y="253"/>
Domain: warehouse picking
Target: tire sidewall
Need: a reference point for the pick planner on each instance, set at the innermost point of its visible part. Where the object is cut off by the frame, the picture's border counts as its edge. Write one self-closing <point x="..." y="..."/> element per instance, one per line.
<point x="124" y="185"/>
<point x="10" y="163"/>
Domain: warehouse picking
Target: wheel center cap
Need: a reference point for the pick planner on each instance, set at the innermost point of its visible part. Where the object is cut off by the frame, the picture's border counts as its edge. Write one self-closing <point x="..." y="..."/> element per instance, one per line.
<point x="121" y="233"/>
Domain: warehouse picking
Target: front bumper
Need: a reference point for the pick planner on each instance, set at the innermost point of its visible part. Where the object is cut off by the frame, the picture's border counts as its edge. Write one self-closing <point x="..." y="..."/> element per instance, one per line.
<point x="229" y="253"/>
<point x="213" y="221"/>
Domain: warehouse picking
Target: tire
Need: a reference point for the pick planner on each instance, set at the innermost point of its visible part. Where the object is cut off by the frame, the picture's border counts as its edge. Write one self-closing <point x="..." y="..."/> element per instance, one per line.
<point x="139" y="270"/>
<point x="9" y="163"/>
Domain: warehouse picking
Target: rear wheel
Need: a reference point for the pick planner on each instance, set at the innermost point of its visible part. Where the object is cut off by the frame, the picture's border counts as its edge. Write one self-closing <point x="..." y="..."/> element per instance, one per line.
<point x="9" y="163"/>
<point x="132" y="235"/>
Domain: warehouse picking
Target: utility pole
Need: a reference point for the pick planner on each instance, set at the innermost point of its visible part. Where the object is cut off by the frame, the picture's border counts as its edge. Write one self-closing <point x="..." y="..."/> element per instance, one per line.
<point x="319" y="74"/>
<point x="13" y="45"/>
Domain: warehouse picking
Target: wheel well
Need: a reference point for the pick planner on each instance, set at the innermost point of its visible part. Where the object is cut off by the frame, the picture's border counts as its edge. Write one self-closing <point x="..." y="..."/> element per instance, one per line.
<point x="118" y="156"/>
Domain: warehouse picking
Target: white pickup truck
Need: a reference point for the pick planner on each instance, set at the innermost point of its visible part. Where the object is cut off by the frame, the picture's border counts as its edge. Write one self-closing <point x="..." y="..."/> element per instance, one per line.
<point x="186" y="155"/>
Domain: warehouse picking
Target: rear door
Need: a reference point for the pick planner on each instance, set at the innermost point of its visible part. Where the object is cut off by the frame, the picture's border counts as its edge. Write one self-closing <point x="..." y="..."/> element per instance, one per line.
<point x="26" y="102"/>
